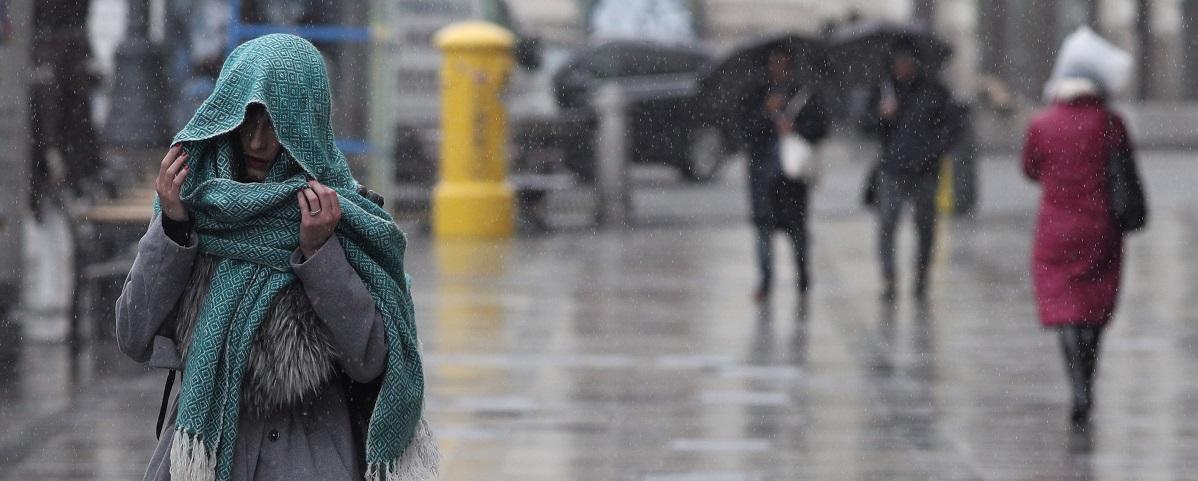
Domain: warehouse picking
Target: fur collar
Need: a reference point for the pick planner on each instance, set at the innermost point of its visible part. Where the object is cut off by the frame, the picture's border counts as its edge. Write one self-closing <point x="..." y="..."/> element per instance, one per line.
<point x="292" y="357"/>
<point x="1068" y="89"/>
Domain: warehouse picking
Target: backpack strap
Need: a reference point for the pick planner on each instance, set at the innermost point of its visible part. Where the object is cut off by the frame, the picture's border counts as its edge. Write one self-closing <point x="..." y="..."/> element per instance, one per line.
<point x="166" y="396"/>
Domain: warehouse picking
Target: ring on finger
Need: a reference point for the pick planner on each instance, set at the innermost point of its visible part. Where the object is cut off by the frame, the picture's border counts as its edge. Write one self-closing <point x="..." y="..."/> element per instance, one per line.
<point x="314" y="212"/>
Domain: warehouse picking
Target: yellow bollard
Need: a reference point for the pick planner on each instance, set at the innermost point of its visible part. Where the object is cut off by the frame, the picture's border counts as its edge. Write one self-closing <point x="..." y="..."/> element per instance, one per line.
<point x="945" y="194"/>
<point x="473" y="199"/>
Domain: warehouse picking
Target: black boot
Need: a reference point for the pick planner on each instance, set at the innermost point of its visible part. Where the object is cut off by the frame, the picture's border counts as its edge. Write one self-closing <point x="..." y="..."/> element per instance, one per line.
<point x="1089" y="338"/>
<point x="1075" y="368"/>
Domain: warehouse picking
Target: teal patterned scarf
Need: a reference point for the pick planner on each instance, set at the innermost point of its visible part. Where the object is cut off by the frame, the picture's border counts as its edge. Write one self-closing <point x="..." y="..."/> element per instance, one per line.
<point x="254" y="228"/>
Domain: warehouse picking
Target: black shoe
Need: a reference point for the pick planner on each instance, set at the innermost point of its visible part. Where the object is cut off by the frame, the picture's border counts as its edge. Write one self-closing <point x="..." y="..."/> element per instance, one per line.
<point x="921" y="291"/>
<point x="1079" y="418"/>
<point x="802" y="306"/>
<point x="888" y="294"/>
<point x="761" y="295"/>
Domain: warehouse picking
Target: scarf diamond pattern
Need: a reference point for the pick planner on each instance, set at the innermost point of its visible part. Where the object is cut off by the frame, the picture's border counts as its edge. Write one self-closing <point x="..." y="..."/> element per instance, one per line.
<point x="254" y="228"/>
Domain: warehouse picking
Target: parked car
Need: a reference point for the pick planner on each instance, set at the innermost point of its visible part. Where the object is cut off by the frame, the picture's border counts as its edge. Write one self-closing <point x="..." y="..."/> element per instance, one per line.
<point x="667" y="122"/>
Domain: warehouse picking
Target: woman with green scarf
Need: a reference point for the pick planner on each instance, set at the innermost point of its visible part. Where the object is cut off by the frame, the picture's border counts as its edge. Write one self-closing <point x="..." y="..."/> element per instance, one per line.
<point x="278" y="290"/>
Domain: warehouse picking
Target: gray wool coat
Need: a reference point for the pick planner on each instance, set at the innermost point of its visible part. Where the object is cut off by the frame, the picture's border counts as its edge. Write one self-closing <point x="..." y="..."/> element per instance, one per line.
<point x="312" y="441"/>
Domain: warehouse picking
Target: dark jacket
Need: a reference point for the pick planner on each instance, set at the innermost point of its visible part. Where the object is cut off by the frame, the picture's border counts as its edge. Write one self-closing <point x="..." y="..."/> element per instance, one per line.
<point x="758" y="132"/>
<point x="922" y="130"/>
<point x="775" y="200"/>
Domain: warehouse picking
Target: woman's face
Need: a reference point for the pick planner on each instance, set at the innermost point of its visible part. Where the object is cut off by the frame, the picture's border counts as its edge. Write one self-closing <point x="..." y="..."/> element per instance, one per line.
<point x="259" y="146"/>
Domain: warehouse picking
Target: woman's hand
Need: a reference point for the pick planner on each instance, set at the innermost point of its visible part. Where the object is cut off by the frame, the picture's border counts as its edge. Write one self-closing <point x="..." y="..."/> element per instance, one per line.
<point x="774" y="103"/>
<point x="888" y="107"/>
<point x="171" y="175"/>
<point x="784" y="125"/>
<point x="320" y="211"/>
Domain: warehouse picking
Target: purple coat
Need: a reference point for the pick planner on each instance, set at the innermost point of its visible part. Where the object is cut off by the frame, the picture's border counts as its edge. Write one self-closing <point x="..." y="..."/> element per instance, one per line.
<point x="1078" y="250"/>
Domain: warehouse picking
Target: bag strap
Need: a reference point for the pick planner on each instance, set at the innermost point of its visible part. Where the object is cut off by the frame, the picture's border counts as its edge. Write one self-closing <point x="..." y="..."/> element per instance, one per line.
<point x="1112" y="137"/>
<point x="792" y="107"/>
<point x="166" y="396"/>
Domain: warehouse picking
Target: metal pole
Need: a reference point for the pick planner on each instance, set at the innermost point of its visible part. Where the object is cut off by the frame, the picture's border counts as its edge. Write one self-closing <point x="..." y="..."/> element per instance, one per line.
<point x="381" y="110"/>
<point x="1144" y="48"/>
<point x="138" y="94"/>
<point x="1189" y="30"/>
<point x="233" y="36"/>
<point x="925" y="13"/>
<point x="14" y="157"/>
<point x="1094" y="15"/>
<point x="614" y="206"/>
<point x="992" y="33"/>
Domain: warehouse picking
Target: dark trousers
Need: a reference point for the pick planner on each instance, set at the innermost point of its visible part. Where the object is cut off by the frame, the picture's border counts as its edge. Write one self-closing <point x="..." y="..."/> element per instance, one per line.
<point x="895" y="191"/>
<point x="1079" y="345"/>
<point x="778" y="204"/>
<point x="765" y="254"/>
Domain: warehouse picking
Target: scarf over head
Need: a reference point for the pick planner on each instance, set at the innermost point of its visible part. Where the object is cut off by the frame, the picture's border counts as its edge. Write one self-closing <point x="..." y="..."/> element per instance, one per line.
<point x="254" y="228"/>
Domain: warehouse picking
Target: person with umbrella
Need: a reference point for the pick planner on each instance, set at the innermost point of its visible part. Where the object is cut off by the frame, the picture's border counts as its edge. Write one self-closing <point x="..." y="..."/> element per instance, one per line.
<point x="779" y="104"/>
<point x="912" y="112"/>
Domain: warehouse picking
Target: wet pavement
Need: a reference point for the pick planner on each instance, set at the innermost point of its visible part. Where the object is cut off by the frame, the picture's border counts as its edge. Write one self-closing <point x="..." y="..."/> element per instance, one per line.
<point x="637" y="354"/>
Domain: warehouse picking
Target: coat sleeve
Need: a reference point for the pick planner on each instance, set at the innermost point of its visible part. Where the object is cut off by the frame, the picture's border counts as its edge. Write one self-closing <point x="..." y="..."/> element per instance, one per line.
<point x="755" y="125"/>
<point x="1032" y="154"/>
<point x="159" y="275"/>
<point x="343" y="302"/>
<point x="812" y="121"/>
<point x="946" y="120"/>
<point x="869" y="118"/>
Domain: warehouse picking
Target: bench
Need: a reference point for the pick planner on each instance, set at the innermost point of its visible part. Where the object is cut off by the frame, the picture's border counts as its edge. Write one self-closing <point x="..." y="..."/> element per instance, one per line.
<point x="104" y="239"/>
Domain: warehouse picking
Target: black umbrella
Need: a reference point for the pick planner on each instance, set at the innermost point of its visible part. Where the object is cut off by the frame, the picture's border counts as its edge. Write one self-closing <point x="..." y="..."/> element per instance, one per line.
<point x="861" y="54"/>
<point x="741" y="72"/>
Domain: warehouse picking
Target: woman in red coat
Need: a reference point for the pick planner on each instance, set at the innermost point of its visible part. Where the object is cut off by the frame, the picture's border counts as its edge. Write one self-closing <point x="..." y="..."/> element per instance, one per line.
<point x="1077" y="256"/>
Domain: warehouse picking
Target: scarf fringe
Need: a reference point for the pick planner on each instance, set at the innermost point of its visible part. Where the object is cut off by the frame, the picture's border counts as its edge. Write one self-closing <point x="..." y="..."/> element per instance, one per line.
<point x="190" y="459"/>
<point x="420" y="461"/>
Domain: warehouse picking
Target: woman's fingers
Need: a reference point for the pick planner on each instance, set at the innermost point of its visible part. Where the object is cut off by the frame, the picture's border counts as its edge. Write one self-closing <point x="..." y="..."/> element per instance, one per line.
<point x="303" y="206"/>
<point x="176" y="166"/>
<point x="164" y="165"/>
<point x="171" y="153"/>
<point x="313" y="200"/>
<point x="171" y="161"/>
<point x="171" y="175"/>
<point x="177" y="182"/>
<point x="333" y="204"/>
<point x="336" y="204"/>
<point x="328" y="199"/>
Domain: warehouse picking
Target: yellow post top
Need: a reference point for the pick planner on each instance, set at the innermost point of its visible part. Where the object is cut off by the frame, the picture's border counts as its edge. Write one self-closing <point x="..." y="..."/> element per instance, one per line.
<point x="473" y="35"/>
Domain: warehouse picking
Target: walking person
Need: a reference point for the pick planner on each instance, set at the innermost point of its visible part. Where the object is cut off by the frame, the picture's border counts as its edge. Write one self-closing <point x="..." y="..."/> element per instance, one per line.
<point x="912" y="120"/>
<point x="278" y="290"/>
<point x="781" y="105"/>
<point x="1078" y="247"/>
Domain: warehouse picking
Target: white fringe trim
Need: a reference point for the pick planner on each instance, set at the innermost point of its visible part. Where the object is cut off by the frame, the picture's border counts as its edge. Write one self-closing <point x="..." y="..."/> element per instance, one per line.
<point x="420" y="461"/>
<point x="190" y="460"/>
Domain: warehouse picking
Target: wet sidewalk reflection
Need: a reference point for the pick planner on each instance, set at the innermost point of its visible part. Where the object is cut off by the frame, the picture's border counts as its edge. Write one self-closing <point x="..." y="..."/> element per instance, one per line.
<point x="639" y="355"/>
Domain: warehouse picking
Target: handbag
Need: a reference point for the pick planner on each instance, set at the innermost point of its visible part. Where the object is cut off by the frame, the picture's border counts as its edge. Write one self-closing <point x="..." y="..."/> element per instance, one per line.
<point x="1128" y="204"/>
<point x="869" y="191"/>
<point x="799" y="158"/>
